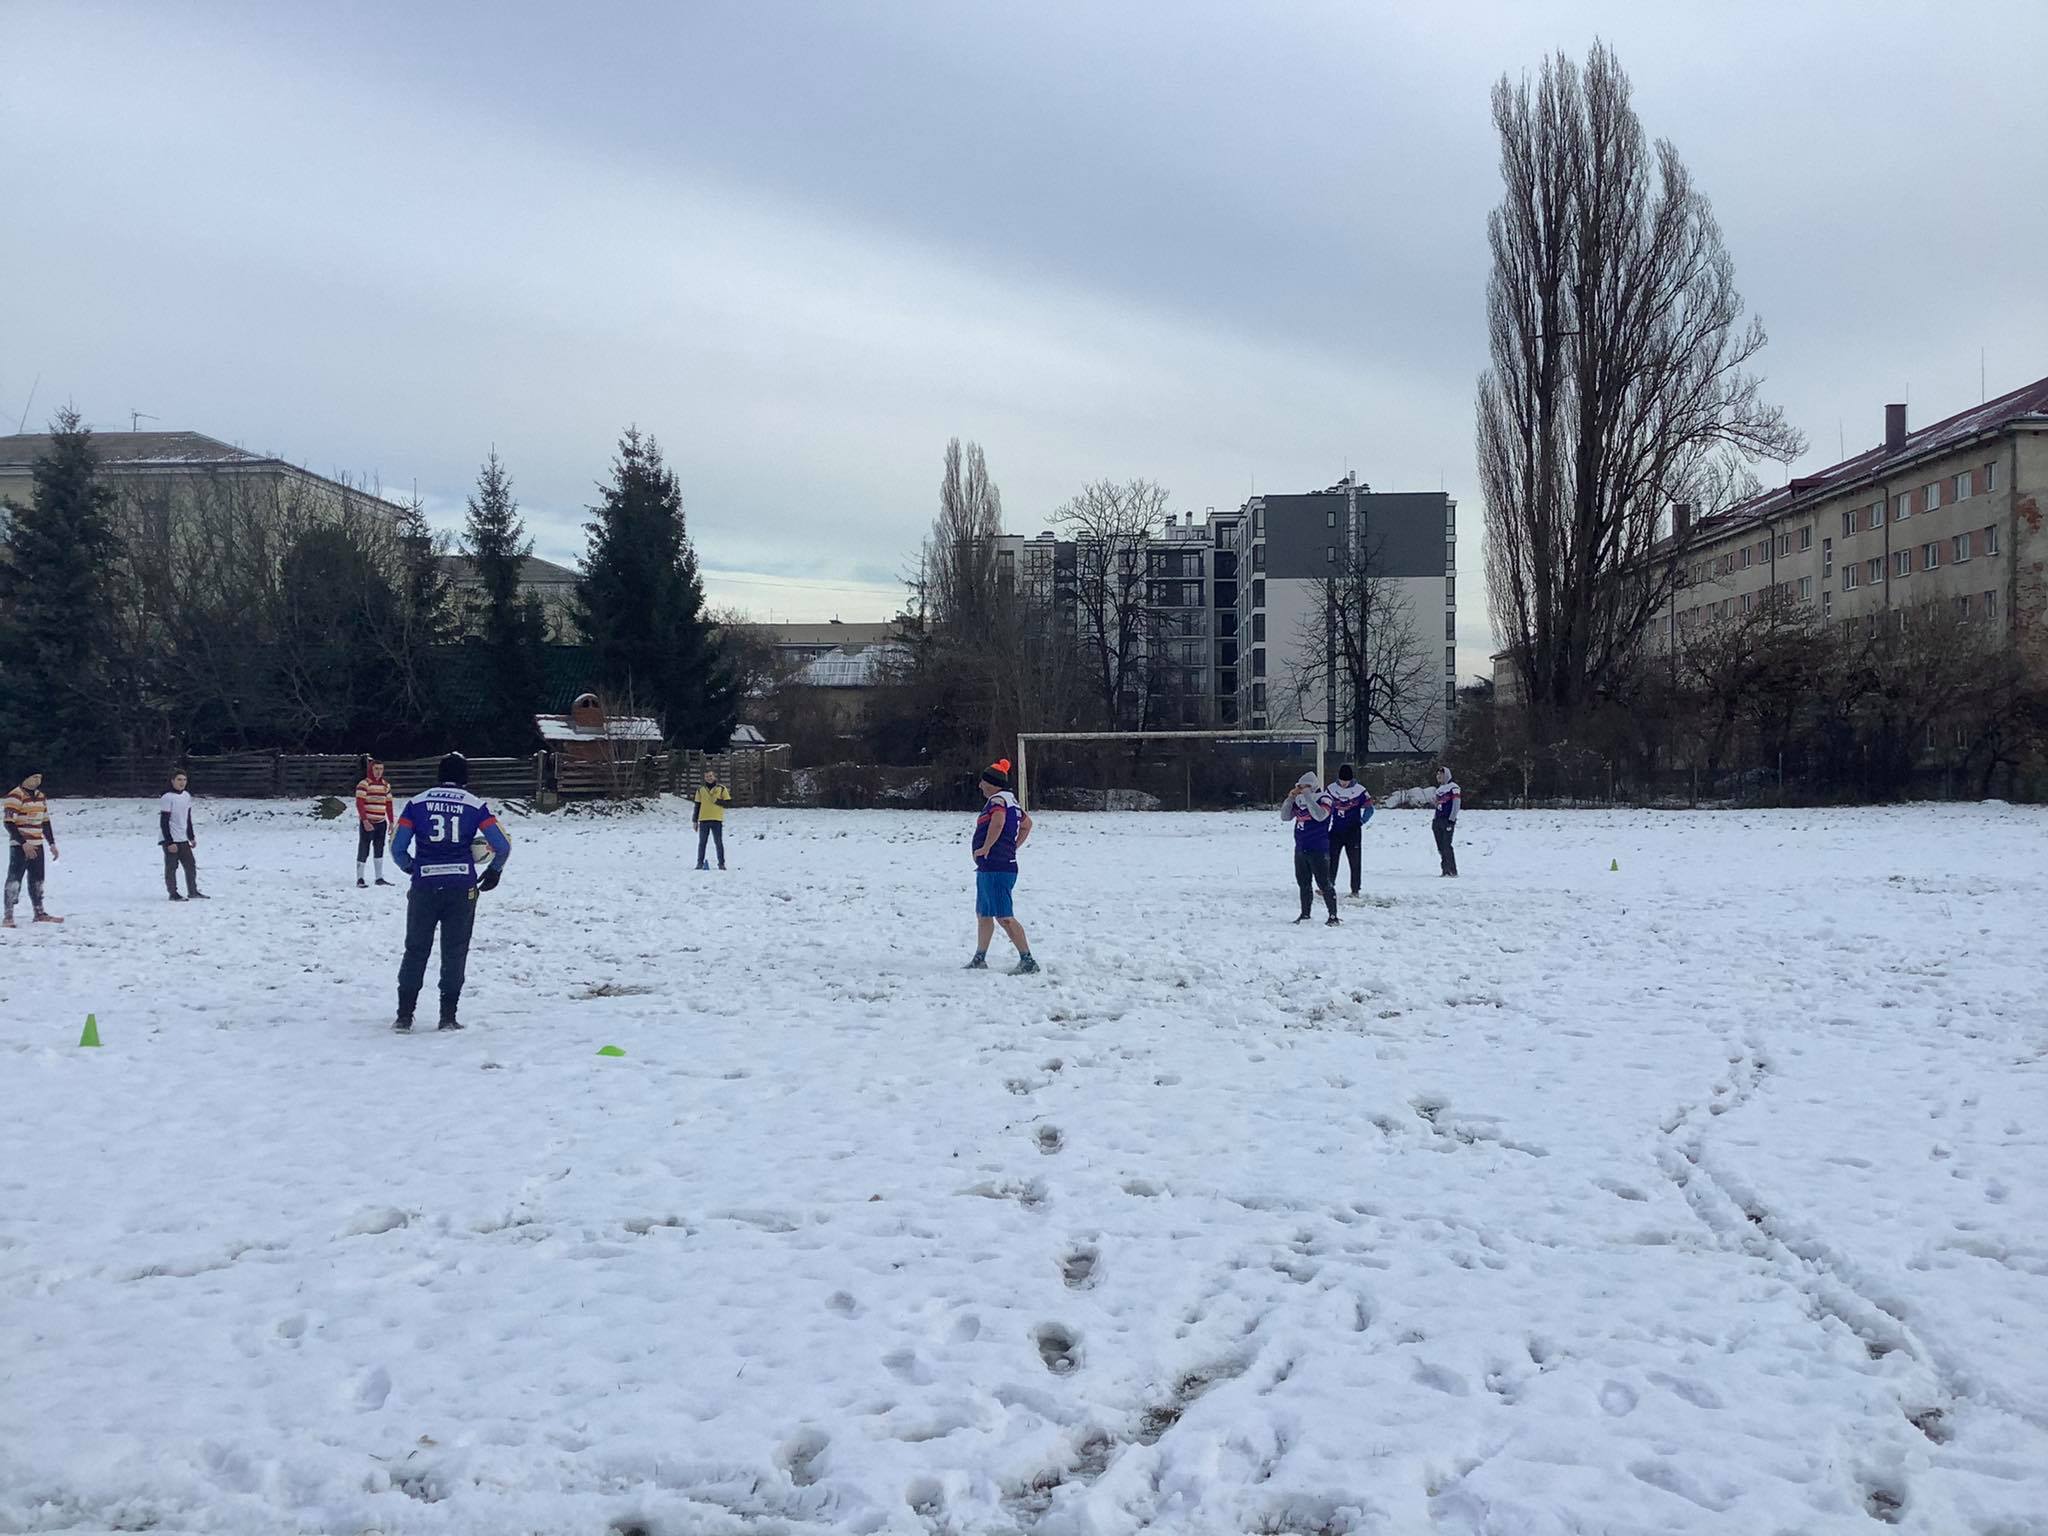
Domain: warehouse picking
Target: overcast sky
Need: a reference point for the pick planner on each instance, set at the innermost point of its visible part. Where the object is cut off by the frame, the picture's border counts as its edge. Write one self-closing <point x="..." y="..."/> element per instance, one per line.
<point x="1221" y="246"/>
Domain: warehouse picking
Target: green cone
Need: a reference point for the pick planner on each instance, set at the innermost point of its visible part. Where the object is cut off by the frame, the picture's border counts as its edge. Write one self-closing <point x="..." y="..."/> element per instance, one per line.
<point x="92" y="1030"/>
<point x="603" y="1050"/>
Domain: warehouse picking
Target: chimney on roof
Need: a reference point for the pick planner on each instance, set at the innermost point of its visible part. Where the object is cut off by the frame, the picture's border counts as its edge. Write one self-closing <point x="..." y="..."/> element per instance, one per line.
<point x="1681" y="519"/>
<point x="1894" y="428"/>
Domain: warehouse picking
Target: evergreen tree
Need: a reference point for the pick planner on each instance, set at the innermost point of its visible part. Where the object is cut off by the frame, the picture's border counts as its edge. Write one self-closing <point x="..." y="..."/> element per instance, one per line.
<point x="61" y="693"/>
<point x="512" y="628"/>
<point x="641" y="603"/>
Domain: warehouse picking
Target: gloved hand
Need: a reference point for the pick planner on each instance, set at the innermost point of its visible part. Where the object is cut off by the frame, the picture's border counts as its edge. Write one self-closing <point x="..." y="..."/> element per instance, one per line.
<point x="490" y="879"/>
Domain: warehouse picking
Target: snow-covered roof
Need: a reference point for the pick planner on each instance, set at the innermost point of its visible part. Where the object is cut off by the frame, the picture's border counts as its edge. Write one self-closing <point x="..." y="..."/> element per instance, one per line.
<point x="619" y="728"/>
<point x="848" y="666"/>
<point x="748" y="736"/>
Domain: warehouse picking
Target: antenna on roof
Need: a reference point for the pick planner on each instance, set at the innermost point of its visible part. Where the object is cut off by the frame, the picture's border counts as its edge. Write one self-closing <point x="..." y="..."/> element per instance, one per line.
<point x="22" y="425"/>
<point x="134" y="417"/>
<point x="1981" y="395"/>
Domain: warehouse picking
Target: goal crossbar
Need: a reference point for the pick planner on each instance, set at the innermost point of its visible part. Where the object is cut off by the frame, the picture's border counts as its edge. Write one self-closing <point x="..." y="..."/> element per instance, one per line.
<point x="1025" y="739"/>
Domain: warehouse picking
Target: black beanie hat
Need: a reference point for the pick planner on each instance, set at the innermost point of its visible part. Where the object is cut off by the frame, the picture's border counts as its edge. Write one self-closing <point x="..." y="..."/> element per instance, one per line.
<point x="997" y="773"/>
<point x="454" y="769"/>
<point x="1344" y="772"/>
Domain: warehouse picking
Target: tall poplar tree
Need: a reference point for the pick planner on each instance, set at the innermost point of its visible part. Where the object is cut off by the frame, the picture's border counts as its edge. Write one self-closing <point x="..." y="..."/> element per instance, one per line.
<point x="511" y="625"/>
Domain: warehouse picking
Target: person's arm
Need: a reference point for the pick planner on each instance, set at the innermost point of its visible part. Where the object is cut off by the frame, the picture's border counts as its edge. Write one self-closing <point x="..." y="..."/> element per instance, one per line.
<point x="1457" y="802"/>
<point x="14" y="832"/>
<point x="501" y="845"/>
<point x="995" y="832"/>
<point x="696" y="807"/>
<point x="163" y="822"/>
<point x="363" y="802"/>
<point x="191" y="828"/>
<point x="1023" y="826"/>
<point x="401" y="846"/>
<point x="1319" y="807"/>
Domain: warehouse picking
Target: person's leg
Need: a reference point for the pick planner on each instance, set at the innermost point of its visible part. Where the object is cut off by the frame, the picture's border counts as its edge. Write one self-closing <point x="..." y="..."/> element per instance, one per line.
<point x="1350" y="845"/>
<point x="419" y="943"/>
<point x="1451" y="849"/>
<point x="1302" y="878"/>
<point x="458" y="921"/>
<point x="984" y="930"/>
<point x="1015" y="930"/>
<point x="17" y="865"/>
<point x="1442" y="831"/>
<point x="703" y="837"/>
<point x="1324" y="866"/>
<point x="35" y="882"/>
<point x="190" y="861"/>
<point x="171" y="870"/>
<point x="377" y="848"/>
<point x="362" y="851"/>
<point x="718" y="837"/>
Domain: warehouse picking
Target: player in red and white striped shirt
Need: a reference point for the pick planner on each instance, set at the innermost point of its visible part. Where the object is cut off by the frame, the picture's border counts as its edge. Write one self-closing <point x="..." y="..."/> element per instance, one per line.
<point x="374" y="819"/>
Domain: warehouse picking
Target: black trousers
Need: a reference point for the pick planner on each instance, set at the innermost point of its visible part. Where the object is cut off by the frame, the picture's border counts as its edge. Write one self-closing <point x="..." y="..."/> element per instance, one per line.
<point x="452" y="910"/>
<point x="20" y="865"/>
<point x="1445" y="830"/>
<point x="1314" y="864"/>
<point x="1344" y="844"/>
<point x="369" y="840"/>
<point x="179" y="856"/>
<point x="711" y="829"/>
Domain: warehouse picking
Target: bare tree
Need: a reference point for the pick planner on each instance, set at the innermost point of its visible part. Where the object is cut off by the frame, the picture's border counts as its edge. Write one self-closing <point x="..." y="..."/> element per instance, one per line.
<point x="1112" y="523"/>
<point x="1362" y="666"/>
<point x="1620" y="380"/>
<point x="959" y="567"/>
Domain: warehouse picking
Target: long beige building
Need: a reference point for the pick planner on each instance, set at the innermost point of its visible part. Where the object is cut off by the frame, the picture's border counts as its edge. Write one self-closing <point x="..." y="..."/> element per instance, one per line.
<point x="1948" y="514"/>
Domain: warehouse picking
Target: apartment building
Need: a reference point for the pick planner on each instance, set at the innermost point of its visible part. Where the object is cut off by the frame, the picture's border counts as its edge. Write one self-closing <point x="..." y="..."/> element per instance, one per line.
<point x="1291" y="547"/>
<point x="1949" y="514"/>
<point x="1235" y="607"/>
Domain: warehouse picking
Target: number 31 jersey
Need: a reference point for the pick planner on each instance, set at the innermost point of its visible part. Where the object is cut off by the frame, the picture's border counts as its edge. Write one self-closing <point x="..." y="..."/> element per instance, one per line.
<point x="444" y="822"/>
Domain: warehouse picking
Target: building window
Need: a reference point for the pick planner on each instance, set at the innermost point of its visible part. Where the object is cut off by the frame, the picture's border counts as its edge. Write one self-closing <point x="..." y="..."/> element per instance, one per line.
<point x="1930" y="555"/>
<point x="1990" y="605"/>
<point x="1930" y="498"/>
<point x="1258" y="629"/>
<point x="1960" y="550"/>
<point x="1960" y="487"/>
<point x="1450" y="626"/>
<point x="1876" y="514"/>
<point x="1763" y="551"/>
<point x="1330" y="518"/>
<point x="1848" y="522"/>
<point x="1784" y="545"/>
<point x="1991" y="540"/>
<point x="1329" y="554"/>
<point x="1827" y="606"/>
<point x="1991" y="476"/>
<point x="1902" y="562"/>
<point x="1873" y="571"/>
<point x="1903" y="508"/>
<point x="1849" y="573"/>
<point x="1806" y="589"/>
<point x="1962" y="607"/>
<point x="1259" y="522"/>
<point x="1746" y="601"/>
<point x="1743" y="559"/>
<point x="1258" y="557"/>
<point x="1827" y="557"/>
<point x="1450" y="661"/>
<point x="1259" y="697"/>
<point x="1806" y="537"/>
<point x="1451" y="590"/>
<point x="1258" y="666"/>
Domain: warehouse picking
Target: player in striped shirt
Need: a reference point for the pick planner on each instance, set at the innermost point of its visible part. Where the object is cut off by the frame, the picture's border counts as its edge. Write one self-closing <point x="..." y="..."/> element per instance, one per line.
<point x="27" y="816"/>
<point x="374" y="818"/>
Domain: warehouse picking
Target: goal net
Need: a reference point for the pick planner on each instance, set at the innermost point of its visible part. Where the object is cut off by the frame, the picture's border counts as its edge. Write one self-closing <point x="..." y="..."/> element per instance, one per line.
<point x="1161" y="770"/>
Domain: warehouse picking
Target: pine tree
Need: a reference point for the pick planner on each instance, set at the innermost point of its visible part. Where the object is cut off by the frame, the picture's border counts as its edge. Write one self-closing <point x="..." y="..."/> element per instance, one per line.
<point x="512" y="628"/>
<point x="641" y="603"/>
<point x="61" y="684"/>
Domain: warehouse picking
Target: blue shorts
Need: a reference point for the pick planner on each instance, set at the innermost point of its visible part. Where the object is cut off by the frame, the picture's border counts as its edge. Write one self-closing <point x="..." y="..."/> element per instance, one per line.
<point x="992" y="888"/>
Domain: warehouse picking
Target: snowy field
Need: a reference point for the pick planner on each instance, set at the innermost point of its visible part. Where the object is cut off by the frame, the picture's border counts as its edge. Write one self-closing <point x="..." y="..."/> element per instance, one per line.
<point x="1705" y="1195"/>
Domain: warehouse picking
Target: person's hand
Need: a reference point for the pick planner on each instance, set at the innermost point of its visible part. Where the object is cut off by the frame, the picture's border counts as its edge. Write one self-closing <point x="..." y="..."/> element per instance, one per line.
<point x="491" y="878"/>
<point x="53" y="850"/>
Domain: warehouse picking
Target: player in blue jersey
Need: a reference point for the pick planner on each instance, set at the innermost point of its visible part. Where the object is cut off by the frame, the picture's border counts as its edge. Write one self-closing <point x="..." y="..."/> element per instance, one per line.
<point x="1352" y="803"/>
<point x="1449" y="801"/>
<point x="999" y="831"/>
<point x="1310" y="808"/>
<point x="434" y="844"/>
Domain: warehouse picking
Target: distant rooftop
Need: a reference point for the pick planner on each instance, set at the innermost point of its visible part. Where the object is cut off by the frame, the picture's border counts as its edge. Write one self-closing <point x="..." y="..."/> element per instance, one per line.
<point x="533" y="572"/>
<point x="2029" y="403"/>
<point x="135" y="448"/>
<point x="832" y="634"/>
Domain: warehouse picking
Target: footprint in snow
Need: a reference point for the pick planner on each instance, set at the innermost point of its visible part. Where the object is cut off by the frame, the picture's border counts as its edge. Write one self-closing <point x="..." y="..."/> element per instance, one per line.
<point x="1077" y="1269"/>
<point x="1618" y="1398"/>
<point x="1059" y="1348"/>
<point x="1050" y="1139"/>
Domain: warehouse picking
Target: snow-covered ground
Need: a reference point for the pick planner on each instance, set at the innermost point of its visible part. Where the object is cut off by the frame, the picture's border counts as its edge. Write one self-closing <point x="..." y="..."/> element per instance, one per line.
<point x="1701" y="1195"/>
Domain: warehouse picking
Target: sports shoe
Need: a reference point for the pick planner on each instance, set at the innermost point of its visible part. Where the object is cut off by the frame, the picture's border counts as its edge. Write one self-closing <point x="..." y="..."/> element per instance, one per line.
<point x="978" y="963"/>
<point x="1303" y="918"/>
<point x="200" y="896"/>
<point x="47" y="917"/>
<point x="1025" y="966"/>
<point x="450" y="1022"/>
<point x="362" y="884"/>
<point x="403" y="1023"/>
<point x="382" y="881"/>
<point x="8" y="921"/>
<point x="176" y="897"/>
<point x="1332" y="921"/>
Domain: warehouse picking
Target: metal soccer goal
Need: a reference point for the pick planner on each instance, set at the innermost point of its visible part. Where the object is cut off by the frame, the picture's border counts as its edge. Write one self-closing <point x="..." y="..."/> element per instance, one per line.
<point x="1304" y="737"/>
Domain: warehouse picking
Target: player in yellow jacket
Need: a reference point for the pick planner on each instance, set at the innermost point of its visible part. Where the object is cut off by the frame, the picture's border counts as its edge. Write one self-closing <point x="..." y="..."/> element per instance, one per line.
<point x="708" y="815"/>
